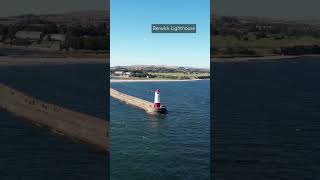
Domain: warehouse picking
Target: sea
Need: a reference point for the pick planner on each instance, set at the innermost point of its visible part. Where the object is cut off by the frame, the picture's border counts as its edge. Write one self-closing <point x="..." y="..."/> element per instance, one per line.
<point x="31" y="153"/>
<point x="164" y="147"/>
<point x="266" y="120"/>
<point x="264" y="125"/>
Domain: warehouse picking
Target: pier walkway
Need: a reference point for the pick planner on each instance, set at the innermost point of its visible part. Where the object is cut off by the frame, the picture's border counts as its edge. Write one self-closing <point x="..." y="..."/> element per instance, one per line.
<point x="82" y="127"/>
<point x="131" y="100"/>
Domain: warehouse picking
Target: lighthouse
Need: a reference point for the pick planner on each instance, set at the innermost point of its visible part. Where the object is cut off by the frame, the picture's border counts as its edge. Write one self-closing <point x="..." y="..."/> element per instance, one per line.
<point x="156" y="103"/>
<point x="157" y="107"/>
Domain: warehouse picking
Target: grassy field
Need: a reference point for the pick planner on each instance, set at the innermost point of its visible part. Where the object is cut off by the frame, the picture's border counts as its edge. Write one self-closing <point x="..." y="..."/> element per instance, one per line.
<point x="179" y="75"/>
<point x="264" y="43"/>
<point x="261" y="47"/>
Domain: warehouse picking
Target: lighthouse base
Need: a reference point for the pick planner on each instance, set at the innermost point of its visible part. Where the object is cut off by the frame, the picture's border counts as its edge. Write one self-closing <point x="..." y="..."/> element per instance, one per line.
<point x="162" y="109"/>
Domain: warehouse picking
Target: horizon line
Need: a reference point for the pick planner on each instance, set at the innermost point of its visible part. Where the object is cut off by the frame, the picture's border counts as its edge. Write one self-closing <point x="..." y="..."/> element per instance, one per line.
<point x="51" y="13"/>
<point x="186" y="66"/>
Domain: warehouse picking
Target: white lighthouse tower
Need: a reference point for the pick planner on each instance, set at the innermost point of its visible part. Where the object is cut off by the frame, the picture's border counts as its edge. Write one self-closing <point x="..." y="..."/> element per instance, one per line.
<point x="156" y="103"/>
<point x="157" y="107"/>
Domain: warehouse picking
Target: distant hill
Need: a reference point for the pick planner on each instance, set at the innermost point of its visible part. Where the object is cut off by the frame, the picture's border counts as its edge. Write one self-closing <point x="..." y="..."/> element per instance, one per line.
<point x="253" y="19"/>
<point x="159" y="67"/>
<point x="236" y="36"/>
<point x="82" y="17"/>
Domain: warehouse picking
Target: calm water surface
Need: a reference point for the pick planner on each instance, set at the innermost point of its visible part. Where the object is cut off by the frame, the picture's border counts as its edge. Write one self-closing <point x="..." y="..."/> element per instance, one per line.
<point x="266" y="120"/>
<point x="172" y="146"/>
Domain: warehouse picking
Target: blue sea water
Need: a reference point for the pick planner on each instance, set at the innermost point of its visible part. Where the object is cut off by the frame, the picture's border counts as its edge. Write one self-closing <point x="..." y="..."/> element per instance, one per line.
<point x="172" y="146"/>
<point x="31" y="153"/>
<point x="266" y="119"/>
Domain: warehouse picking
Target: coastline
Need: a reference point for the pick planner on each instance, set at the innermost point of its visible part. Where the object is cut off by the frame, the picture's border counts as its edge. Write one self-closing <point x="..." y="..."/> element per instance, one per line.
<point x="154" y="80"/>
<point x="260" y="58"/>
<point x="27" y="61"/>
<point x="36" y="52"/>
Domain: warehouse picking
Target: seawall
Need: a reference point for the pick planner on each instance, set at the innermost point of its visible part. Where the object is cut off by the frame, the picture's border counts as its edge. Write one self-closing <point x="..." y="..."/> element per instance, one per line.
<point x="82" y="127"/>
<point x="133" y="101"/>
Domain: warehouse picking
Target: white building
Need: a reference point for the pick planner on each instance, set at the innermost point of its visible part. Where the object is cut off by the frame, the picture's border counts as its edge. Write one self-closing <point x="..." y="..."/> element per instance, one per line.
<point x="32" y="35"/>
<point x="57" y="37"/>
<point x="119" y="73"/>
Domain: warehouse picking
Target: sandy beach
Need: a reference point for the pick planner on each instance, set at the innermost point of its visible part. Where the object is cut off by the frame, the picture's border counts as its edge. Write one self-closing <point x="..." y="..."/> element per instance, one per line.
<point x="151" y="80"/>
<point x="255" y="59"/>
<point x="261" y="59"/>
<point x="21" y="51"/>
<point x="25" y="61"/>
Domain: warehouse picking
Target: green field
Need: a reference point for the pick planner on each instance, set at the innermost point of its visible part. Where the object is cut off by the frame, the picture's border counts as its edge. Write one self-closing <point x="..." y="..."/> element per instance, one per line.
<point x="260" y="47"/>
<point x="264" y="43"/>
<point x="179" y="75"/>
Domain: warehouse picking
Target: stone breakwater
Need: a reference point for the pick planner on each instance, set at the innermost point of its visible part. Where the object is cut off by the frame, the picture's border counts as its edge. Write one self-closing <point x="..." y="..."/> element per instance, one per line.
<point x="82" y="127"/>
<point x="133" y="101"/>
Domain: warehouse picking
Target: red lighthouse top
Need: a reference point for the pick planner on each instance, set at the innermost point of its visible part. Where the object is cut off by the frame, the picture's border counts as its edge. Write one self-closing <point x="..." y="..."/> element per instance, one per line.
<point x="157" y="90"/>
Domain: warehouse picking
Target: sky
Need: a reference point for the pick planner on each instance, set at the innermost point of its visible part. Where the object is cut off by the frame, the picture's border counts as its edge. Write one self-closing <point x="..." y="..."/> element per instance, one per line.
<point x="132" y="42"/>
<point x="18" y="7"/>
<point x="288" y="9"/>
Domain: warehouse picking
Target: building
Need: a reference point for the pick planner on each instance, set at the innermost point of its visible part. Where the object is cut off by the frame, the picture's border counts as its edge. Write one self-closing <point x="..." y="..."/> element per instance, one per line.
<point x="56" y="37"/>
<point x="54" y="41"/>
<point x="119" y="73"/>
<point x="7" y="21"/>
<point x="31" y="35"/>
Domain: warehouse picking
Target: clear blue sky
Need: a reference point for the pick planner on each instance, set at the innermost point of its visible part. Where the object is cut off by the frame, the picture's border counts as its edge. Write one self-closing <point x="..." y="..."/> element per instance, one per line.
<point x="132" y="42"/>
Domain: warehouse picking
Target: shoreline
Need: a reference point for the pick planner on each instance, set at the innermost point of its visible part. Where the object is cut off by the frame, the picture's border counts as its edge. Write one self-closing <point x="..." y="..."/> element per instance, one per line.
<point x="154" y="80"/>
<point x="36" y="52"/>
<point x="261" y="58"/>
<point x="29" y="61"/>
